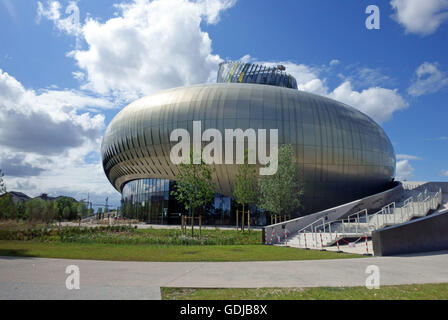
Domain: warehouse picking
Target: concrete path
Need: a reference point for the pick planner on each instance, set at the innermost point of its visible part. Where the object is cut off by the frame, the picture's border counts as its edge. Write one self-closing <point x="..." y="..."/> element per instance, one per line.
<point x="36" y="278"/>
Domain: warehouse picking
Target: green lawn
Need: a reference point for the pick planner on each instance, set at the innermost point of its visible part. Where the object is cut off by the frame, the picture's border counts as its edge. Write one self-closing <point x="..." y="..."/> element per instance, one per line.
<point x="140" y="252"/>
<point x="402" y="292"/>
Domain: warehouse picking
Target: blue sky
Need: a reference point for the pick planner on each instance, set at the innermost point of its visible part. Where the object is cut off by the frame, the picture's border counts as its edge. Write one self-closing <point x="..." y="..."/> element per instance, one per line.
<point x="63" y="80"/>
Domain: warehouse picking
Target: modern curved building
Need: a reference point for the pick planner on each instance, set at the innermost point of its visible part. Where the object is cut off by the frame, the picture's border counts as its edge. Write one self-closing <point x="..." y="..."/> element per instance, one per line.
<point x="344" y="155"/>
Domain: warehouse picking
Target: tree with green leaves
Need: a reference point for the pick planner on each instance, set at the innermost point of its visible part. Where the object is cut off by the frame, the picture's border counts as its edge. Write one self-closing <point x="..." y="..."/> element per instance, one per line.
<point x="281" y="193"/>
<point x="21" y="211"/>
<point x="2" y="183"/>
<point x="49" y="212"/>
<point x="194" y="187"/>
<point x="8" y="209"/>
<point x="245" y="189"/>
<point x="35" y="209"/>
<point x="99" y="213"/>
<point x="62" y="203"/>
<point x="66" y="213"/>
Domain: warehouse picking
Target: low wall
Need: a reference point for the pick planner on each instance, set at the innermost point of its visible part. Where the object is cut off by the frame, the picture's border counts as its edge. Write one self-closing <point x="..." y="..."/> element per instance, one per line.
<point x="431" y="186"/>
<point x="371" y="202"/>
<point x="421" y="235"/>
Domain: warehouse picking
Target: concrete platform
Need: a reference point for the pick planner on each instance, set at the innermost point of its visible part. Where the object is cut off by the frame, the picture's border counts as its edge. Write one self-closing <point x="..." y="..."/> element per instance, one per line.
<point x="36" y="278"/>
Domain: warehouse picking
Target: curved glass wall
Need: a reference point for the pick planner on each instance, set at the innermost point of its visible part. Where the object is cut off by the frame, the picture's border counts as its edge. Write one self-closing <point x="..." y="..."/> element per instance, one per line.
<point x="146" y="199"/>
<point x="240" y="72"/>
<point x="150" y="200"/>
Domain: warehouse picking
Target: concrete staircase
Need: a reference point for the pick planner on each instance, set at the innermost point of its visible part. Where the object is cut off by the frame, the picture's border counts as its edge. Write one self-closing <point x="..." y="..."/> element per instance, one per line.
<point x="320" y="233"/>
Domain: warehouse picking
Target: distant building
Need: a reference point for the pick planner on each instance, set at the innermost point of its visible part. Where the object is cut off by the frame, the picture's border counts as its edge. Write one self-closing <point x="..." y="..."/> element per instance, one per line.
<point x="17" y="197"/>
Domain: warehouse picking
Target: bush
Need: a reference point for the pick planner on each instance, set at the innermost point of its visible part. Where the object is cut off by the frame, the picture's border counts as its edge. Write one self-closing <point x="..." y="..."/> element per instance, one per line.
<point x="125" y="235"/>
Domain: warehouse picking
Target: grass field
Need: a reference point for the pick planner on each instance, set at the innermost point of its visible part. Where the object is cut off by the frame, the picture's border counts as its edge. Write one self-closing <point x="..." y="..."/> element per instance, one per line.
<point x="402" y="292"/>
<point x="113" y="252"/>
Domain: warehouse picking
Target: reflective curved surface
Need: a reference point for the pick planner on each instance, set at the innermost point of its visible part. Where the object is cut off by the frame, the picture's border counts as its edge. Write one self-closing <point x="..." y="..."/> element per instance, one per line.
<point x="343" y="154"/>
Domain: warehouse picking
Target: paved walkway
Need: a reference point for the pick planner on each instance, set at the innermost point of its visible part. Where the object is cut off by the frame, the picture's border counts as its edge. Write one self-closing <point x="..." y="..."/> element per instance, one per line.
<point x="36" y="278"/>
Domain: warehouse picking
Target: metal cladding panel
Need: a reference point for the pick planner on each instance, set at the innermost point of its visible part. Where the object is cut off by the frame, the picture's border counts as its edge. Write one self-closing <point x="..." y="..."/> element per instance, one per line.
<point x="344" y="155"/>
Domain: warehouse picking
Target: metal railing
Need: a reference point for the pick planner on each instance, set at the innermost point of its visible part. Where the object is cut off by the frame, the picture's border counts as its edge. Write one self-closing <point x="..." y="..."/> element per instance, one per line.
<point x="362" y="223"/>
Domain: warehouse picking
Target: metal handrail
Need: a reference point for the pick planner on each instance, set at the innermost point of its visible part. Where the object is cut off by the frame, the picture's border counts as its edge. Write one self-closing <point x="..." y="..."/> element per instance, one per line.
<point x="384" y="210"/>
<point x="372" y="220"/>
<point x="323" y="219"/>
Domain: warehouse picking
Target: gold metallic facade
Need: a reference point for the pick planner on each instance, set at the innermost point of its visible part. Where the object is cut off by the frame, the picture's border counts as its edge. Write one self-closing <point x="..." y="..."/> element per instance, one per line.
<point x="344" y="155"/>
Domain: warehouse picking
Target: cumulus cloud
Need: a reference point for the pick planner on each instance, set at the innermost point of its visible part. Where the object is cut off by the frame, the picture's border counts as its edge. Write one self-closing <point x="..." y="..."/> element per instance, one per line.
<point x="404" y="170"/>
<point x="308" y="78"/>
<point x="45" y="137"/>
<point x="153" y="45"/>
<point x="148" y="46"/>
<point x="407" y="157"/>
<point x="365" y="77"/>
<point x="427" y="79"/>
<point x="378" y="103"/>
<point x="334" y="62"/>
<point x="420" y="17"/>
<point x="45" y="123"/>
<point x="52" y="11"/>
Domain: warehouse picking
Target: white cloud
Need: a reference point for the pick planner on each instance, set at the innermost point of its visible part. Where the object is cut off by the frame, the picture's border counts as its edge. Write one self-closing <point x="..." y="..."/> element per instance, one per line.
<point x="404" y="170"/>
<point x="420" y="16"/>
<point x="427" y="79"/>
<point x="153" y="45"/>
<point x="307" y="77"/>
<point x="407" y="157"/>
<point x="48" y="122"/>
<point x="148" y="46"/>
<point x="334" y="62"/>
<point x="70" y="25"/>
<point x="444" y="173"/>
<point x="378" y="103"/>
<point x="45" y="138"/>
<point x="366" y="77"/>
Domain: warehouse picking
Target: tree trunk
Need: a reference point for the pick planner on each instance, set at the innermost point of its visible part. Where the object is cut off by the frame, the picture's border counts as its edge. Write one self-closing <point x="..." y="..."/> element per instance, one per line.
<point x="242" y="220"/>
<point x="192" y="223"/>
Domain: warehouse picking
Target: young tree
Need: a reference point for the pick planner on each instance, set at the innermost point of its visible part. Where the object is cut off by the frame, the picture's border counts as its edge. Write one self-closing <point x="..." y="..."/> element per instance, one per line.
<point x="281" y="193"/>
<point x="8" y="209"/>
<point x="82" y="210"/>
<point x="35" y="209"/>
<point x="49" y="212"/>
<point x="62" y="203"/>
<point x="21" y="208"/>
<point x="66" y="213"/>
<point x="245" y="189"/>
<point x="74" y="211"/>
<point x="194" y="187"/>
<point x="99" y="213"/>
